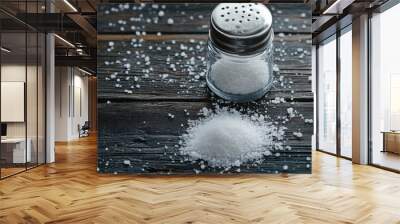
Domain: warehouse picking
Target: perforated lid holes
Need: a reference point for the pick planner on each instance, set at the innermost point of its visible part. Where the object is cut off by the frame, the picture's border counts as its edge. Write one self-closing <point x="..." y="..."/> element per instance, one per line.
<point x="241" y="28"/>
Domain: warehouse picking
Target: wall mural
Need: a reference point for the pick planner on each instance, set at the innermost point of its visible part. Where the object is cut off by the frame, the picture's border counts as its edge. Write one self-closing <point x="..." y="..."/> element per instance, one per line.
<point x="183" y="89"/>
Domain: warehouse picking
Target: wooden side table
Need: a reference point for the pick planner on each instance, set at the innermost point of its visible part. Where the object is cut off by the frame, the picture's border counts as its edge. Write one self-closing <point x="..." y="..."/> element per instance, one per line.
<point x="391" y="141"/>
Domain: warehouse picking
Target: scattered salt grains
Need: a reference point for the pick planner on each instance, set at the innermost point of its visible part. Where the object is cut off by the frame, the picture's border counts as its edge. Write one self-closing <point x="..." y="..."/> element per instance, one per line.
<point x="290" y="112"/>
<point x="171" y="115"/>
<point x="170" y="21"/>
<point x="297" y="134"/>
<point x="278" y="100"/>
<point x="308" y="121"/>
<point x="127" y="162"/>
<point x="228" y="139"/>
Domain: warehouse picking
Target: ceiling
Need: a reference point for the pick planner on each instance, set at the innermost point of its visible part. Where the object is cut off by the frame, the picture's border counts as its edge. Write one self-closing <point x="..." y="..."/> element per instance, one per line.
<point x="331" y="15"/>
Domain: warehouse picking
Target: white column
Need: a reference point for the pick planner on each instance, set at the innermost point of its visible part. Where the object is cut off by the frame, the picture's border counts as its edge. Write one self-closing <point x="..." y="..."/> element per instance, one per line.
<point x="314" y="90"/>
<point x="360" y="90"/>
<point x="50" y="99"/>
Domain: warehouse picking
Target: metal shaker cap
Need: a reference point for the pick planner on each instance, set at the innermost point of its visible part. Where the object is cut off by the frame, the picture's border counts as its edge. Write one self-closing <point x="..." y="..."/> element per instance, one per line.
<point x="241" y="28"/>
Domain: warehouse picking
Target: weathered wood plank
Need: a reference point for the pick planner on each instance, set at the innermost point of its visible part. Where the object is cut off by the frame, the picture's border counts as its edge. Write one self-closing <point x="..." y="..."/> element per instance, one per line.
<point x="188" y="81"/>
<point x="189" y="18"/>
<point x="143" y="133"/>
<point x="151" y="164"/>
<point x="133" y="118"/>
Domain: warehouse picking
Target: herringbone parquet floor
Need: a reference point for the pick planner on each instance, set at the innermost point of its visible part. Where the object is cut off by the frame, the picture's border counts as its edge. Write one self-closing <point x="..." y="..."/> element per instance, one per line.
<point x="70" y="191"/>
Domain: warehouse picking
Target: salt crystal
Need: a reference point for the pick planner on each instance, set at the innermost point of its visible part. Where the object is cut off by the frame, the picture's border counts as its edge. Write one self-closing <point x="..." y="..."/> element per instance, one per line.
<point x="171" y="115"/>
<point x="170" y="21"/>
<point x="290" y="112"/>
<point x="308" y="121"/>
<point x="298" y="134"/>
<point x="161" y="13"/>
<point x="127" y="162"/>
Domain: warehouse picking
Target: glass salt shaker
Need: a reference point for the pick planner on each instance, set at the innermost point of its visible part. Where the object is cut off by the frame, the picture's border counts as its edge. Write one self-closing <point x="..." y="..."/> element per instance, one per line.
<point x="240" y="51"/>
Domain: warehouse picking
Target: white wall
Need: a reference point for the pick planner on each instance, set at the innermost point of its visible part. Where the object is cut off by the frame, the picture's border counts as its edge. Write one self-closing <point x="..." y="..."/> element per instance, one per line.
<point x="71" y="94"/>
<point x="33" y="126"/>
<point x="62" y="82"/>
<point x="10" y="73"/>
<point x="17" y="73"/>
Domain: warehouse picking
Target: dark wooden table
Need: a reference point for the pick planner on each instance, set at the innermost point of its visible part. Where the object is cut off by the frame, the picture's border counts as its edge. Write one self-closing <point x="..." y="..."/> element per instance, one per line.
<point x="133" y="122"/>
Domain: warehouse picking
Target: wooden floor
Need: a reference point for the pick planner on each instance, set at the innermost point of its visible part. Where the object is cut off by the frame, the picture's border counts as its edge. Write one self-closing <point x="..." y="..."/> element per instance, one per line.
<point x="5" y="172"/>
<point x="71" y="191"/>
<point x="386" y="159"/>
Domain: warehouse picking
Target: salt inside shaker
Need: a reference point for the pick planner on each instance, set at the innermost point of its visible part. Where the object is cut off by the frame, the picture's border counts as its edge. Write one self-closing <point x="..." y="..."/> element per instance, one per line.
<point x="240" y="51"/>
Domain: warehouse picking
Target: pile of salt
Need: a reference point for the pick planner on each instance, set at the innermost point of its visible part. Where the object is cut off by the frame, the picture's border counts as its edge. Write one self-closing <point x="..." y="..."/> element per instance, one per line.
<point x="229" y="139"/>
<point x="237" y="78"/>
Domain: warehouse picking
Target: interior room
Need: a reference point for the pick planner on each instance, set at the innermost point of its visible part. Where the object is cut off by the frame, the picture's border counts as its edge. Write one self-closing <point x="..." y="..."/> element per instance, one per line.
<point x="22" y="100"/>
<point x="279" y="111"/>
<point x="385" y="123"/>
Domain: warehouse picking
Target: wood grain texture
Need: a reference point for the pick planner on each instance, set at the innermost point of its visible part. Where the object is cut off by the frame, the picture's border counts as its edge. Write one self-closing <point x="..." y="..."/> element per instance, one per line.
<point x="191" y="18"/>
<point x="134" y="101"/>
<point x="71" y="191"/>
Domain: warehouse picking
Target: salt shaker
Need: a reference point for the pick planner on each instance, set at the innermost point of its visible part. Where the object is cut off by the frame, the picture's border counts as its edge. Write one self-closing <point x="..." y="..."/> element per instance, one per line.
<point x="240" y="51"/>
